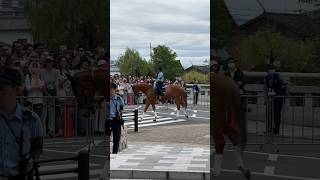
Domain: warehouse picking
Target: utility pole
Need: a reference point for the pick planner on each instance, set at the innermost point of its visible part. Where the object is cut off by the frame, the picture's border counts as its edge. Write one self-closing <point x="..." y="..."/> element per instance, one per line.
<point x="150" y="53"/>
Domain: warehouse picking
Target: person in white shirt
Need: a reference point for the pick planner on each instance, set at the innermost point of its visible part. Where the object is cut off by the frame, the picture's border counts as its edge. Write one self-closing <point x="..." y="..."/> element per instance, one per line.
<point x="35" y="86"/>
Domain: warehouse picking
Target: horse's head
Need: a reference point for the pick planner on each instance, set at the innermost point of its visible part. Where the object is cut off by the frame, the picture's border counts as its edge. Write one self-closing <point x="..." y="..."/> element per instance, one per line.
<point x="84" y="91"/>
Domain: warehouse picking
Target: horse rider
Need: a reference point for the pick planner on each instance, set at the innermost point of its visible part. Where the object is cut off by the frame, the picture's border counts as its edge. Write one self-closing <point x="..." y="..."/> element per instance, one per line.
<point x="113" y="123"/>
<point x="21" y="135"/>
<point x="159" y="82"/>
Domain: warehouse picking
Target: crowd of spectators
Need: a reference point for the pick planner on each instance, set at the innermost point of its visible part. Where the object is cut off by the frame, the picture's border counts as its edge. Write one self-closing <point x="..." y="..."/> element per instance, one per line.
<point x="125" y="89"/>
<point x="43" y="72"/>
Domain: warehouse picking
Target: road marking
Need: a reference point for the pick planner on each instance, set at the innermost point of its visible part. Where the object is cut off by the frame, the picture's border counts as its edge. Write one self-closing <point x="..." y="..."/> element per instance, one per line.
<point x="172" y="113"/>
<point x="182" y="115"/>
<point x="193" y="115"/>
<point x="283" y="155"/>
<point x="272" y="175"/>
<point x="70" y="175"/>
<point x="144" y="118"/>
<point x="65" y="142"/>
<point x="273" y="157"/>
<point x="57" y="151"/>
<point x="148" y="121"/>
<point x="63" y="166"/>
<point x="269" y="170"/>
<point x="160" y="123"/>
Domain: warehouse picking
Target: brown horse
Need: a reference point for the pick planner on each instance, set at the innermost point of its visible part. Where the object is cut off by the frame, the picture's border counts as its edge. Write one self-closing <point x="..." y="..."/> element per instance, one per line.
<point x="86" y="83"/>
<point x="171" y="91"/>
<point x="225" y="98"/>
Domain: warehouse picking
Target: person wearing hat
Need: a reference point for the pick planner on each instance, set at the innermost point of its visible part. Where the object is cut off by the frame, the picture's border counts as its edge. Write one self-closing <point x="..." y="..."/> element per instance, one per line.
<point x="274" y="85"/>
<point x="159" y="82"/>
<point x="113" y="123"/>
<point x="21" y="135"/>
<point x="214" y="67"/>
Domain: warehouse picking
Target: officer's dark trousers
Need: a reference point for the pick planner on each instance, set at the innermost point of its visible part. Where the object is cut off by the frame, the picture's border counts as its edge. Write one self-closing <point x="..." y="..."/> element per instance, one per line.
<point x="277" y="107"/>
<point x="116" y="129"/>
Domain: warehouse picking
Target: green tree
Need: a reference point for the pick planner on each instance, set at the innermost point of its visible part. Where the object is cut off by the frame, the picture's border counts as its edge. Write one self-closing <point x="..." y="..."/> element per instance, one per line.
<point x="132" y="64"/>
<point x="294" y="55"/>
<point x="165" y="57"/>
<point x="69" y="22"/>
<point x="190" y="76"/>
<point x="221" y="25"/>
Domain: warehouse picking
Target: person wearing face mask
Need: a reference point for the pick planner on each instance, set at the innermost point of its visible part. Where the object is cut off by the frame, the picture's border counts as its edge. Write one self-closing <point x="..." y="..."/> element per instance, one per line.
<point x="236" y="74"/>
<point x="274" y="85"/>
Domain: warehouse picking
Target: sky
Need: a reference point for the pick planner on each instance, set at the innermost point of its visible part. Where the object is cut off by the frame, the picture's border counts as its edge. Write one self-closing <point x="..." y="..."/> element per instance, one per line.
<point x="182" y="25"/>
<point x="244" y="10"/>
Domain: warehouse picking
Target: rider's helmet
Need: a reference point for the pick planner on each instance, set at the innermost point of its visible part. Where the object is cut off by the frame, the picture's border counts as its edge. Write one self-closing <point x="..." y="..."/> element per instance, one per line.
<point x="159" y="68"/>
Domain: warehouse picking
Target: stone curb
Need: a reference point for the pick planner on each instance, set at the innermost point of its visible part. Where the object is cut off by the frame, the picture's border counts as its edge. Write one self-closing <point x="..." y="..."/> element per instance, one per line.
<point x="152" y="174"/>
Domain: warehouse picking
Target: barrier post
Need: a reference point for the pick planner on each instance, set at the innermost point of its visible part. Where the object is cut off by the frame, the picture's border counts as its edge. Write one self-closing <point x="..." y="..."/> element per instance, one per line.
<point x="83" y="165"/>
<point x="136" y="120"/>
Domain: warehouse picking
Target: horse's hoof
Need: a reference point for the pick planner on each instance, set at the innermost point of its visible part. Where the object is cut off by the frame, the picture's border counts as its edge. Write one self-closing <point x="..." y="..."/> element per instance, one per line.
<point x="246" y="173"/>
<point x="154" y="120"/>
<point x="215" y="174"/>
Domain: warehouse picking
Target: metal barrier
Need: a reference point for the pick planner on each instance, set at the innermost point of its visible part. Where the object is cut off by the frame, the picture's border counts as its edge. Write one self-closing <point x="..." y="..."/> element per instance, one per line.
<point x="203" y="98"/>
<point x="82" y="170"/>
<point x="295" y="123"/>
<point x="135" y="118"/>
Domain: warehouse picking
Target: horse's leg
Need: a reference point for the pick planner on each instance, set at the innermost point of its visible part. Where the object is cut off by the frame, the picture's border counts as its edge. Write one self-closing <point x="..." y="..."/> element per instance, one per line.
<point x="184" y="105"/>
<point x="178" y="109"/>
<point x="155" y="112"/>
<point x="234" y="136"/>
<point x="219" y="142"/>
<point x="145" y="109"/>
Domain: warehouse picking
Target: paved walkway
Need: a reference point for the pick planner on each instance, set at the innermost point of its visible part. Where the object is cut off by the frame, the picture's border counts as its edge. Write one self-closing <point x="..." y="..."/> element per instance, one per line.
<point x="155" y="156"/>
<point x="153" y="160"/>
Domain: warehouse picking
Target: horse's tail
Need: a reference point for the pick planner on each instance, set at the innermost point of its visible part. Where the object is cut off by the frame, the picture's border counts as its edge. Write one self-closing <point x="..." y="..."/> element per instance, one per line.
<point x="184" y="99"/>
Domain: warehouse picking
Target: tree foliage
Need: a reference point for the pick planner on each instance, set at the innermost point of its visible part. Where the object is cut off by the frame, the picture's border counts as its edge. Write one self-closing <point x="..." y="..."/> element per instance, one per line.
<point x="190" y="76"/>
<point x="294" y="55"/>
<point x="70" y="22"/>
<point x="221" y="25"/>
<point x="165" y="57"/>
<point x="132" y="64"/>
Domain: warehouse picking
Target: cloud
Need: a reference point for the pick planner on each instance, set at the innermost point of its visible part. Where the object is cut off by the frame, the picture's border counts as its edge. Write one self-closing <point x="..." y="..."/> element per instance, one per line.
<point x="182" y="25"/>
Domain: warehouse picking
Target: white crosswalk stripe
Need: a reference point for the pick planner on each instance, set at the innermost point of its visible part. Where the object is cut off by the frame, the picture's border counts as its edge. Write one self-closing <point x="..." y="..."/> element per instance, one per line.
<point x="95" y="171"/>
<point x="148" y="120"/>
